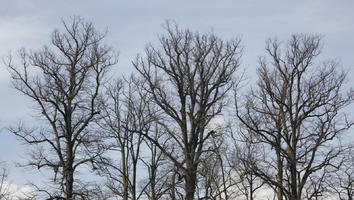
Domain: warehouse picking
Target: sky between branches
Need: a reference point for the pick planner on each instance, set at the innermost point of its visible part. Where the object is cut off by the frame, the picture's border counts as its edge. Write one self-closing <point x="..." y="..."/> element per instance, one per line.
<point x="132" y="24"/>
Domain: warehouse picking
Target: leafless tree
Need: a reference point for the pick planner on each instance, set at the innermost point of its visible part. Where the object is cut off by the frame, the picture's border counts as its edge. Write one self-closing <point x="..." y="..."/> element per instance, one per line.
<point x="335" y="180"/>
<point x="247" y="151"/>
<point x="126" y="116"/>
<point x="5" y="192"/>
<point x="65" y="81"/>
<point x="160" y="170"/>
<point x="127" y="109"/>
<point x="315" y="187"/>
<point x="188" y="77"/>
<point x="297" y="110"/>
<point x="341" y="181"/>
<point x="216" y="173"/>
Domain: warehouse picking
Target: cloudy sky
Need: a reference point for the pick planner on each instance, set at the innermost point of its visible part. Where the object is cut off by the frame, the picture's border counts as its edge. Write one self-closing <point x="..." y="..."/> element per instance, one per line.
<point x="132" y="24"/>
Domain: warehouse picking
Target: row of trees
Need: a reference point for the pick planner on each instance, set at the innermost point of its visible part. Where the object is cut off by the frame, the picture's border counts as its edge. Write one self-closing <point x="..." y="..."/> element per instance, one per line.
<point x="166" y="132"/>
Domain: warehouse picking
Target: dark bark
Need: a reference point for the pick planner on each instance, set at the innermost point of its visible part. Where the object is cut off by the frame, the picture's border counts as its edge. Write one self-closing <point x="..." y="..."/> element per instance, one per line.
<point x="65" y="81"/>
<point x="188" y="79"/>
<point x="297" y="110"/>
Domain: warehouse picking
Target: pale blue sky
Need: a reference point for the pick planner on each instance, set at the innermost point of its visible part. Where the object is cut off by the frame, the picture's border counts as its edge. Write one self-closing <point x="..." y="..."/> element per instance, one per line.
<point x="132" y="24"/>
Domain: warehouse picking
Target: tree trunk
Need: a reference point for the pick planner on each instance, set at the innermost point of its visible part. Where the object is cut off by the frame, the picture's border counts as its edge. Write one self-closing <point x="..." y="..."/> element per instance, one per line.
<point x="173" y="186"/>
<point x="190" y="185"/>
<point x="69" y="174"/>
<point x="280" y="176"/>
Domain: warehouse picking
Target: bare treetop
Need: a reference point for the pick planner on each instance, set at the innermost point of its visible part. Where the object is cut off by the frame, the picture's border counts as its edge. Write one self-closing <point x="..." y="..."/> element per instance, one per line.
<point x="188" y="77"/>
<point x="298" y="110"/>
<point x="65" y="81"/>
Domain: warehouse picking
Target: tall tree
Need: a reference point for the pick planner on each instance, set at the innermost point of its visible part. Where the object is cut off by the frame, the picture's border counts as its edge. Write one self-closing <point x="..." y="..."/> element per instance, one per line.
<point x="297" y="110"/>
<point x="126" y="109"/>
<point x="128" y="152"/>
<point x="188" y="77"/>
<point x="64" y="80"/>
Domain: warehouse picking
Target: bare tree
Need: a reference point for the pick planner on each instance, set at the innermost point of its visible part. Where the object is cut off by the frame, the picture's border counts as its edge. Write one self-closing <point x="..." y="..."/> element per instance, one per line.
<point x="247" y="151"/>
<point x="64" y="80"/>
<point x="188" y="78"/>
<point x="5" y="192"/>
<point x="334" y="180"/>
<point x="126" y="109"/>
<point x="159" y="169"/>
<point x="341" y="181"/>
<point x="296" y="109"/>
<point x="315" y="187"/>
<point x="216" y="174"/>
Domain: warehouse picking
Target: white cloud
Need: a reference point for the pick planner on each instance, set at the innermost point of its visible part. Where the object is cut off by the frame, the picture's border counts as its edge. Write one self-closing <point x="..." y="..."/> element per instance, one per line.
<point x="217" y="123"/>
<point x="18" y="192"/>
